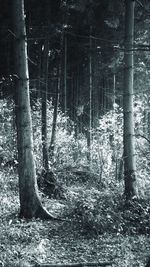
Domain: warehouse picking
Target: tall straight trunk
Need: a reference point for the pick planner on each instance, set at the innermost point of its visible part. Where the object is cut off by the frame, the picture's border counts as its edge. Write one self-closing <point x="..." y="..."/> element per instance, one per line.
<point x="54" y="125"/>
<point x="129" y="142"/>
<point x="65" y="73"/>
<point x="114" y="89"/>
<point x="44" y="105"/>
<point x="58" y="88"/>
<point x="39" y="70"/>
<point x="30" y="204"/>
<point x="148" y="122"/>
<point x="89" y="135"/>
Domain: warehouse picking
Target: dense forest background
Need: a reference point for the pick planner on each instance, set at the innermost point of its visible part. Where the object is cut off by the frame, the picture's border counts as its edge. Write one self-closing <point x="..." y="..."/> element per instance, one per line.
<point x="75" y="132"/>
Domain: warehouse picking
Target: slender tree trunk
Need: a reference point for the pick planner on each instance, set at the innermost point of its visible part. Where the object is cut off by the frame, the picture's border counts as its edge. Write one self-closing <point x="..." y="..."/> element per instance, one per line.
<point x="89" y="135"/>
<point x="30" y="205"/>
<point x="39" y="70"/>
<point x="58" y="88"/>
<point x="44" y="105"/>
<point x="114" y="90"/>
<point x="54" y="125"/>
<point x="148" y="122"/>
<point x="129" y="146"/>
<point x="65" y="73"/>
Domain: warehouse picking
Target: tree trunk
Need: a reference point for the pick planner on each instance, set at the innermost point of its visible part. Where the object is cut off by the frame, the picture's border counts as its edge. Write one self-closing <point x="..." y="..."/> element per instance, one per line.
<point x="129" y="144"/>
<point x="65" y="73"/>
<point x="54" y="125"/>
<point x="148" y="122"/>
<point x="44" y="105"/>
<point x="30" y="205"/>
<point x="89" y="135"/>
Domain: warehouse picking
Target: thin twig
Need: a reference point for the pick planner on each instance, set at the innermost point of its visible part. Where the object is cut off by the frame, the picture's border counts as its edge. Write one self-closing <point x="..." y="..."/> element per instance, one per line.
<point x="143" y="136"/>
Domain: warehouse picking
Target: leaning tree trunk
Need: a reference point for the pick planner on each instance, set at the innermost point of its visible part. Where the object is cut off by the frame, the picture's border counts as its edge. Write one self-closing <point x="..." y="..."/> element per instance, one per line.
<point x="129" y="146"/>
<point x="30" y="204"/>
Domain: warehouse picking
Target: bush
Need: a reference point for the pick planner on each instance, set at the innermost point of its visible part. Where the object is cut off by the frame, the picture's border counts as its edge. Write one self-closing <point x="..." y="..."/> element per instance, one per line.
<point x="105" y="212"/>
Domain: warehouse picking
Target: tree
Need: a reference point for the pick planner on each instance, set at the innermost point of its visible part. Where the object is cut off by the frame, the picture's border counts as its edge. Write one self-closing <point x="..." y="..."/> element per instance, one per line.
<point x="44" y="105"/>
<point x="65" y="72"/>
<point x="129" y="146"/>
<point x="89" y="135"/>
<point x="54" y="125"/>
<point x="45" y="68"/>
<point x="30" y="204"/>
<point x="57" y="93"/>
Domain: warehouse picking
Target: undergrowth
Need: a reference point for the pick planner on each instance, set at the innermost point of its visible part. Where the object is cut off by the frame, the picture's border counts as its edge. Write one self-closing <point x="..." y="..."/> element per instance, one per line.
<point x="98" y="227"/>
<point x="101" y="212"/>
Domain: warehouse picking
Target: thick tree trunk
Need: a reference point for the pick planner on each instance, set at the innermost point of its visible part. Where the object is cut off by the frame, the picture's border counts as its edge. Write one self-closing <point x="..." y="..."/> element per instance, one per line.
<point x="30" y="205"/>
<point x="129" y="146"/>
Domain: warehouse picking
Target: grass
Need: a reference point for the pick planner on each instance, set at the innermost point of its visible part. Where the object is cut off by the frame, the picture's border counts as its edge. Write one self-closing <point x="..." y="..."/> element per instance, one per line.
<point x="60" y="242"/>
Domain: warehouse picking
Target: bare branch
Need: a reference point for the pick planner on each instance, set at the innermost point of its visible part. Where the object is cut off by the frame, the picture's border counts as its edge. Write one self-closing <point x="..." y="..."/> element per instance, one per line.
<point x="143" y="136"/>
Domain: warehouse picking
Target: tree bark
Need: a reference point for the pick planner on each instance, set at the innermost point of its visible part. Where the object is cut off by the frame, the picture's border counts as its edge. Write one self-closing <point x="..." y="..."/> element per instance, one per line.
<point x="89" y="135"/>
<point x="65" y="73"/>
<point x="148" y="122"/>
<point x="54" y="125"/>
<point x="30" y="204"/>
<point x="129" y="143"/>
<point x="44" y="105"/>
<point x="82" y="264"/>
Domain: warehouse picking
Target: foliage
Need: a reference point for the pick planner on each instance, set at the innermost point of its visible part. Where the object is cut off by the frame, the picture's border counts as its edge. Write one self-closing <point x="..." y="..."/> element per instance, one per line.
<point x="102" y="212"/>
<point x="23" y="242"/>
<point x="71" y="150"/>
<point x="95" y="211"/>
<point x="101" y="225"/>
<point x="8" y="133"/>
<point x="107" y="140"/>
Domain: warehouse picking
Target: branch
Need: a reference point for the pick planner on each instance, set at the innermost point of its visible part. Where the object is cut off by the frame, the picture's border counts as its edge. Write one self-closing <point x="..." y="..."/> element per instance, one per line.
<point x="139" y="135"/>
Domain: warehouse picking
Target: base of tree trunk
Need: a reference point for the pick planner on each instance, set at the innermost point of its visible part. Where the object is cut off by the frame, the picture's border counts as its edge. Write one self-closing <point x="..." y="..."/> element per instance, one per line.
<point x="130" y="185"/>
<point x="38" y="212"/>
<point x="43" y="214"/>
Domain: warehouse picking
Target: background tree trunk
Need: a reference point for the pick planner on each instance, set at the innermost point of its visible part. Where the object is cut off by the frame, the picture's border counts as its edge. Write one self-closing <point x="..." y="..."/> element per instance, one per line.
<point x="89" y="135"/>
<point x="65" y="73"/>
<point x="54" y="125"/>
<point x="44" y="105"/>
<point x="30" y="205"/>
<point x="129" y="146"/>
<point x="148" y="122"/>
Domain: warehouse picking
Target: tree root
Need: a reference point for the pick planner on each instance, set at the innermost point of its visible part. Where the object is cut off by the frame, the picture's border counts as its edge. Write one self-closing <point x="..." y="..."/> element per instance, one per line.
<point x="43" y="214"/>
<point x="39" y="212"/>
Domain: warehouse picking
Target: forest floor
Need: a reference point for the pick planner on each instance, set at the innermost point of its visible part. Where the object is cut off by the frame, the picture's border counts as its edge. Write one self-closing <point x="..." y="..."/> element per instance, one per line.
<point x="23" y="242"/>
